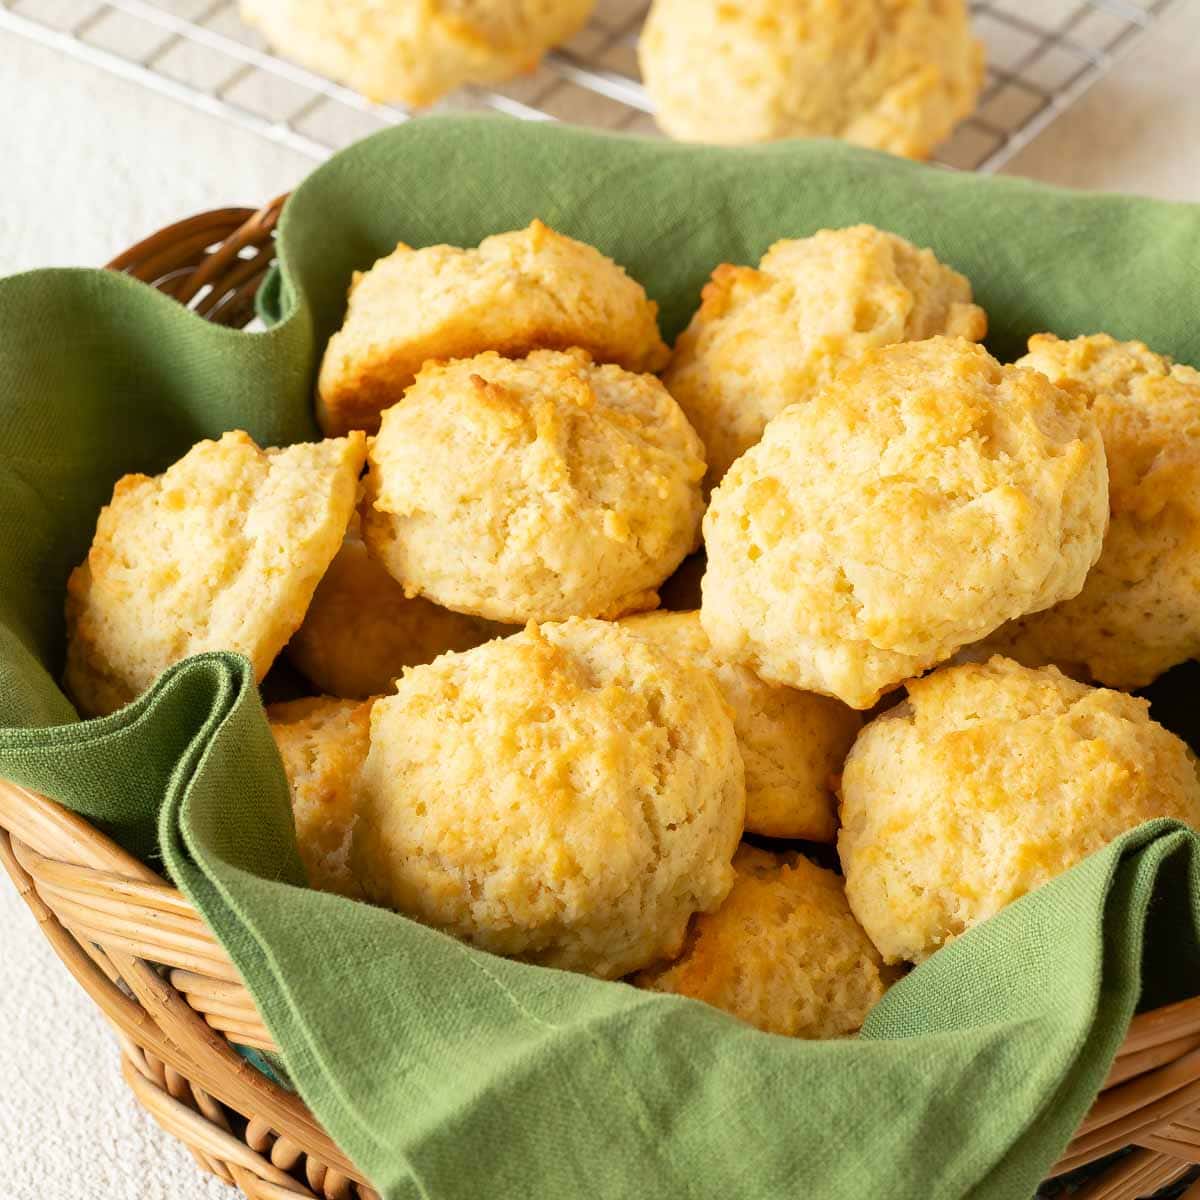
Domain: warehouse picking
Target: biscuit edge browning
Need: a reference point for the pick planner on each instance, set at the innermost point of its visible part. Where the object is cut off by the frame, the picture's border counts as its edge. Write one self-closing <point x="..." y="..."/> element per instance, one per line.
<point x="568" y="796"/>
<point x="222" y="551"/>
<point x="988" y="781"/>
<point x="516" y="292"/>
<point x="989" y="483"/>
<point x="534" y="489"/>
<point x="1137" y="615"/>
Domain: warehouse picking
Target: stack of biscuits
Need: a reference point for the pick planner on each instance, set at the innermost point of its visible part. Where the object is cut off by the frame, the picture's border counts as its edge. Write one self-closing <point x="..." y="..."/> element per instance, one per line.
<point x="753" y="671"/>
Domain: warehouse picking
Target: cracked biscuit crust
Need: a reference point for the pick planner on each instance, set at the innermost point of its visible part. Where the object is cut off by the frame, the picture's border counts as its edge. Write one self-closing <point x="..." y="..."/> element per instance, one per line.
<point x="525" y="290"/>
<point x="1139" y="611"/>
<point x="763" y="339"/>
<point x="221" y="552"/>
<point x="569" y="796"/>
<point x="793" y="743"/>
<point x="783" y="952"/>
<point x="924" y="498"/>
<point x="987" y="782"/>
<point x="534" y="489"/>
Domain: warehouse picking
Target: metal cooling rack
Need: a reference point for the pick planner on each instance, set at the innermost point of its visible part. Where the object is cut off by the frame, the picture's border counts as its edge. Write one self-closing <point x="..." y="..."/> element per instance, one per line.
<point x="1042" y="56"/>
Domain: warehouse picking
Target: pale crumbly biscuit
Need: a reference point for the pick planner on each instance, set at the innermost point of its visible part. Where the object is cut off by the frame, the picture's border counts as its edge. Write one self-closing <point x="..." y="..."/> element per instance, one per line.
<point x="783" y="952"/>
<point x="763" y="339"/>
<point x="534" y="489"/>
<point x="924" y="498"/>
<point x="988" y="781"/>
<point x="793" y="743"/>
<point x="1139" y="611"/>
<point x="323" y="743"/>
<point x="221" y="552"/>
<point x="526" y="290"/>
<point x="361" y="630"/>
<point x="415" y="51"/>
<point x="895" y="77"/>
<point x="570" y="796"/>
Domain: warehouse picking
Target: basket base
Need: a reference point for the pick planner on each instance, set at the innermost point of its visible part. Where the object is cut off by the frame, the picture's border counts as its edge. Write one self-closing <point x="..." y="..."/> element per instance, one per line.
<point x="243" y="1152"/>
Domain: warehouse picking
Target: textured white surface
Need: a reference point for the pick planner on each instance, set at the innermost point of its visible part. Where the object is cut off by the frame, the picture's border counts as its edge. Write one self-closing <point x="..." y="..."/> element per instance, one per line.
<point x="91" y="165"/>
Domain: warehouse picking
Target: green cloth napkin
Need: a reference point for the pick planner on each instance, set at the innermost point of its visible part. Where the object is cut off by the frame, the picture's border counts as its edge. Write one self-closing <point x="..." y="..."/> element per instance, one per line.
<point x="444" y="1072"/>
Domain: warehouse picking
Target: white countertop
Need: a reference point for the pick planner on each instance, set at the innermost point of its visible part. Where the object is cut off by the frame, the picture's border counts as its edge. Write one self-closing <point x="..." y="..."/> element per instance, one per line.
<point x="91" y="164"/>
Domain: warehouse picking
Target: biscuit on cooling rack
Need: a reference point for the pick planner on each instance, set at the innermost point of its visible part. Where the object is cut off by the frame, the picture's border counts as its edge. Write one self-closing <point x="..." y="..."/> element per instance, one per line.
<point x="894" y="77"/>
<point x="411" y="51"/>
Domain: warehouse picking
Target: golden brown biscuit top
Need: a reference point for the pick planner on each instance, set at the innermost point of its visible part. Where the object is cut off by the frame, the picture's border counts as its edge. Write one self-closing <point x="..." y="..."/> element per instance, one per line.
<point x="923" y="498"/>
<point x="568" y="795"/>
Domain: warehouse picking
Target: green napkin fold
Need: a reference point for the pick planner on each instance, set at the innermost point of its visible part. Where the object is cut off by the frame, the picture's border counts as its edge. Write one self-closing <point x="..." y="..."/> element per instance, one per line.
<point x="444" y="1072"/>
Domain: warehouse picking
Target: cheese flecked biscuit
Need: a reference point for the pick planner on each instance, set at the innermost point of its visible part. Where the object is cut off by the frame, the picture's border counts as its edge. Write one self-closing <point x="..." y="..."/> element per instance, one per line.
<point x="988" y="781"/>
<point x="223" y="551"/>
<point x="925" y="497"/>
<point x="1139" y="611"/>
<point x="323" y="743"/>
<point x="415" y="51"/>
<point x="783" y="953"/>
<point x="763" y="339"/>
<point x="534" y="489"/>
<point x="569" y="796"/>
<point x="895" y="76"/>
<point x="361" y="630"/>
<point x="525" y="290"/>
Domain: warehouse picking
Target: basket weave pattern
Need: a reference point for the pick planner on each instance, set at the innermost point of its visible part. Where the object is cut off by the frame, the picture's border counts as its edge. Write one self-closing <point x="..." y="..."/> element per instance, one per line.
<point x="177" y="1003"/>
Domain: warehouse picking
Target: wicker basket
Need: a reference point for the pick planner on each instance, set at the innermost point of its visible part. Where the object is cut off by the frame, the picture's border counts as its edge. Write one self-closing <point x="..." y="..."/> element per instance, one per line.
<point x="177" y="1003"/>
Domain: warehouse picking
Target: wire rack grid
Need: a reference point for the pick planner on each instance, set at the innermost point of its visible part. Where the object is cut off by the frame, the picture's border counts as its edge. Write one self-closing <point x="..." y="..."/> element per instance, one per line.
<point x="1042" y="56"/>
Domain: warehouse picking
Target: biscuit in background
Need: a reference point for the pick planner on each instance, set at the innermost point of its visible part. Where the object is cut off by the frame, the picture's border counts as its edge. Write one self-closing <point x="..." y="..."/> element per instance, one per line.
<point x="223" y="551"/>
<point x="323" y="743"/>
<point x="793" y="743"/>
<point x="361" y="630"/>
<point x="534" y="489"/>
<point x="783" y="953"/>
<point x="895" y="77"/>
<point x="763" y="339"/>
<point x="570" y="796"/>
<point x="988" y="781"/>
<point x="412" y="51"/>
<point x="925" y="497"/>
<point x="525" y="290"/>
<point x="1139" y="611"/>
